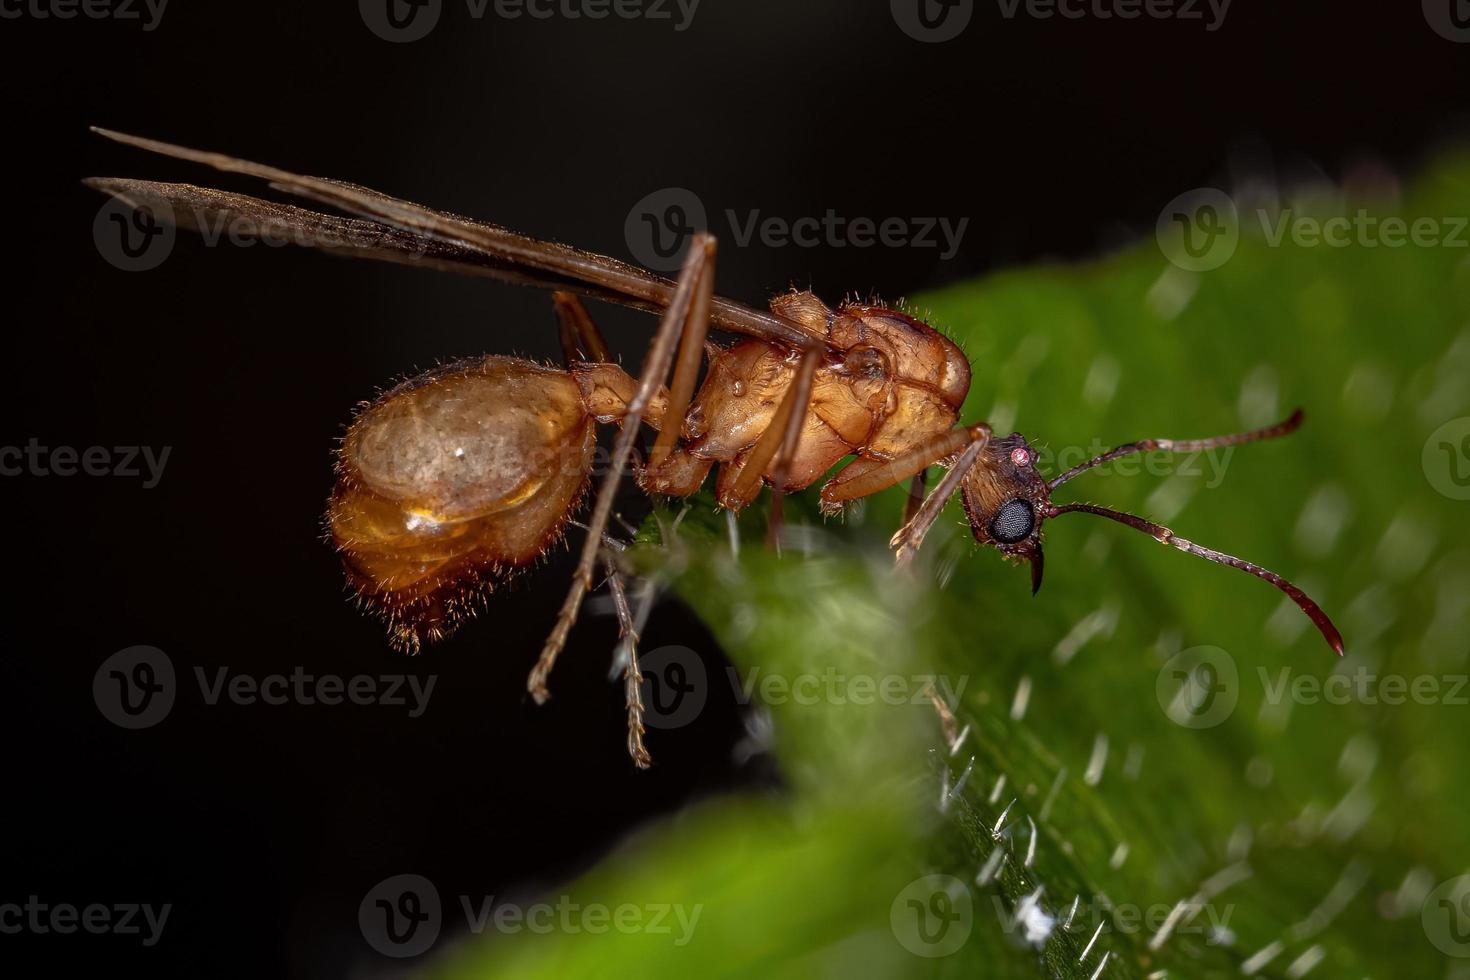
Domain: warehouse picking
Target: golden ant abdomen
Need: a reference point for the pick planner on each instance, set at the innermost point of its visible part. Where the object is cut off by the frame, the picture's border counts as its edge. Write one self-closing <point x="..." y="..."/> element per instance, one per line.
<point x="449" y="481"/>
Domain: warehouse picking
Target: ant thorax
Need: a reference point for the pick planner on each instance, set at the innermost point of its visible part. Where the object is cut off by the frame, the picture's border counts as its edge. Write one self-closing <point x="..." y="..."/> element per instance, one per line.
<point x="926" y="376"/>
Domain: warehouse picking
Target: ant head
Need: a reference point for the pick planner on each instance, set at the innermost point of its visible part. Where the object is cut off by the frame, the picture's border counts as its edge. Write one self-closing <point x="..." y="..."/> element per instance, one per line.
<point x="1006" y="500"/>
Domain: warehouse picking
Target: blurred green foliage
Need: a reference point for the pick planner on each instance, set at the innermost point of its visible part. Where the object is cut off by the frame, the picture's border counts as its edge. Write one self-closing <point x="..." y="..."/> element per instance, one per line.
<point x="1310" y="829"/>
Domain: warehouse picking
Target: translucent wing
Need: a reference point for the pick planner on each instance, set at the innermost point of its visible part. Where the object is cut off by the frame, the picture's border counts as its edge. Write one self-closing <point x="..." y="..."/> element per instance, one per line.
<point x="400" y="231"/>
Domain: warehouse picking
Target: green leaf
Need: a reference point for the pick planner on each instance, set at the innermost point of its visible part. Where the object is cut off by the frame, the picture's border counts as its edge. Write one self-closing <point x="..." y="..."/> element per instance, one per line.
<point x="1312" y="816"/>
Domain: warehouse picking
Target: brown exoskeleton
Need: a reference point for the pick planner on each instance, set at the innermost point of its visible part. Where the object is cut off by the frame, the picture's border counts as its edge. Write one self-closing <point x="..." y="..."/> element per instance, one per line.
<point x="449" y="481"/>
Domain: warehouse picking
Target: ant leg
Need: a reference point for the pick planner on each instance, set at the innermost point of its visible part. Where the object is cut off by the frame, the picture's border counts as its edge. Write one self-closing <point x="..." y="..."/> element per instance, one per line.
<point x="909" y="537"/>
<point x="916" y="494"/>
<point x="776" y="520"/>
<point x="632" y="676"/>
<point x="802" y="397"/>
<point x="580" y="338"/>
<point x="782" y="434"/>
<point x="680" y="475"/>
<point x="864" y="477"/>
<point x="686" y="370"/>
<point x="690" y="299"/>
<point x="947" y="722"/>
<point x="606" y="391"/>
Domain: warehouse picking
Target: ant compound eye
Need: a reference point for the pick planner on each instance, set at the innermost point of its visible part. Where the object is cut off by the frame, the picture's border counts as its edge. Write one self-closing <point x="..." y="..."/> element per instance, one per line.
<point x="1012" y="522"/>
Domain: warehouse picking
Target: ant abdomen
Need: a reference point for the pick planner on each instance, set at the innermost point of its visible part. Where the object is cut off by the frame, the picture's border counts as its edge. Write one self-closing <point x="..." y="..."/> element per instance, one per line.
<point x="449" y="481"/>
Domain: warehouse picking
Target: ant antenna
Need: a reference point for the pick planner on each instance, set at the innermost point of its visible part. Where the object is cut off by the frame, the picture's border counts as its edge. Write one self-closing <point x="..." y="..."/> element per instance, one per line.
<point x="1183" y="446"/>
<point x="1165" y="536"/>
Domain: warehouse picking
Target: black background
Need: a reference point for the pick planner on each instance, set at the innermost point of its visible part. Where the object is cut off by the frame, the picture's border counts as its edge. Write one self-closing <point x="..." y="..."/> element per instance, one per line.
<point x="264" y="826"/>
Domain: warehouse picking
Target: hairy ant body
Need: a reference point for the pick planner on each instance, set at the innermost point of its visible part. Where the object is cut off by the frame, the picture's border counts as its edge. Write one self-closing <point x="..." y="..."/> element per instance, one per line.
<point x="451" y="479"/>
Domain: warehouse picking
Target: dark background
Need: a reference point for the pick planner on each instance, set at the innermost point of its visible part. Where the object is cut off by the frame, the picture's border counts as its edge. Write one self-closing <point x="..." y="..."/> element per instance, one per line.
<point x="264" y="826"/>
